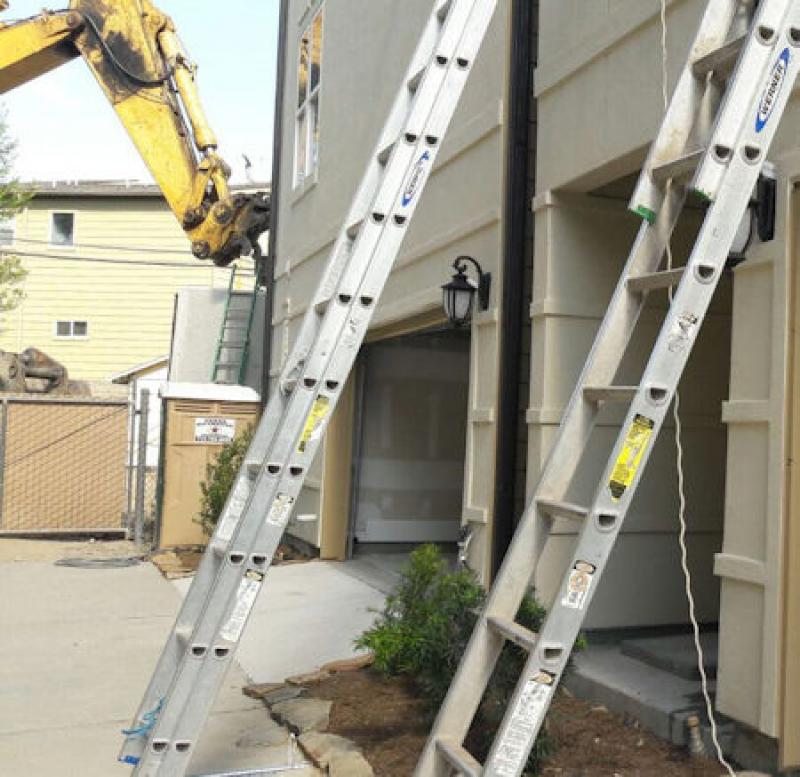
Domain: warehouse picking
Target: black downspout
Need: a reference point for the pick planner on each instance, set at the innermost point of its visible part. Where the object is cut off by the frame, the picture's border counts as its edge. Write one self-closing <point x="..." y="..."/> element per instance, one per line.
<point x="267" y="275"/>
<point x="520" y="170"/>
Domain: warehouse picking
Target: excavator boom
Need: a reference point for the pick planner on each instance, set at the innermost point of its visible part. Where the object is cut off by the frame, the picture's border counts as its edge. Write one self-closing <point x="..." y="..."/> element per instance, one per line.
<point x="136" y="56"/>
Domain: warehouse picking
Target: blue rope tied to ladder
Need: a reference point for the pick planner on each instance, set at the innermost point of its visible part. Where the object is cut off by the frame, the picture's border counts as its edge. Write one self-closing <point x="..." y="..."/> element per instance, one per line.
<point x="148" y="721"/>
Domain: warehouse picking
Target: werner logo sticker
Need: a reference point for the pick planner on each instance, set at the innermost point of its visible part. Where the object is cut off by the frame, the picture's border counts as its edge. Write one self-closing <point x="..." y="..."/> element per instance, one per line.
<point x="416" y="178"/>
<point x="777" y="77"/>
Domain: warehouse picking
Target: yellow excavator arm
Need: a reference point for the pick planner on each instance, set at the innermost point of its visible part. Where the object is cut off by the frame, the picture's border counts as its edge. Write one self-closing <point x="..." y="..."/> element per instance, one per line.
<point x="136" y="56"/>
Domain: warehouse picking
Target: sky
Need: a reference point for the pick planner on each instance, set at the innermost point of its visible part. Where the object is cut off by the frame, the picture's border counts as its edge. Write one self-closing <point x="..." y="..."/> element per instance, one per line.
<point x="65" y="128"/>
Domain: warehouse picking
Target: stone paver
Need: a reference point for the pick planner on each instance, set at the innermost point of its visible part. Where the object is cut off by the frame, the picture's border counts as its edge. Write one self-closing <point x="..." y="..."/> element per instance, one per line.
<point x="302" y="715"/>
<point x="338" y="755"/>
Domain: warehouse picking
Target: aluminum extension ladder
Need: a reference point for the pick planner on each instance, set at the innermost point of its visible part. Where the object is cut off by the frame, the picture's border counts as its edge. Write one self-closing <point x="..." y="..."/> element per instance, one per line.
<point x="748" y="75"/>
<point x="199" y="650"/>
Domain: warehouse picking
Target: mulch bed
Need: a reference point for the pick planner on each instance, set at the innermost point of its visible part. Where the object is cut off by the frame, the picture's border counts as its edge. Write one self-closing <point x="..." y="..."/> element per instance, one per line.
<point x="388" y="721"/>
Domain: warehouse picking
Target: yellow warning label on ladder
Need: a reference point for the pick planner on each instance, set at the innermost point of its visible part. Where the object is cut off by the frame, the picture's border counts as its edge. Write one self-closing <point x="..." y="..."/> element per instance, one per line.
<point x="630" y="457"/>
<point x="313" y="425"/>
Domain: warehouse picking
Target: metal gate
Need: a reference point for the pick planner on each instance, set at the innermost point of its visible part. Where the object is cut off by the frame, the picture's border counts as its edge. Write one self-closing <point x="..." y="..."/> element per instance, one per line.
<point x="63" y="464"/>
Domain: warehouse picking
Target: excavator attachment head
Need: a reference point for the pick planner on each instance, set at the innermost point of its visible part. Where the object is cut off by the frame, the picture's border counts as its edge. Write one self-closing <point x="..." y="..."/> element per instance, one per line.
<point x="246" y="217"/>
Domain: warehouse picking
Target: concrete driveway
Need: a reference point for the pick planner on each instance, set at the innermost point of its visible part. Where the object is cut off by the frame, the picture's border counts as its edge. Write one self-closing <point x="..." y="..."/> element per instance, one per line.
<point x="79" y="646"/>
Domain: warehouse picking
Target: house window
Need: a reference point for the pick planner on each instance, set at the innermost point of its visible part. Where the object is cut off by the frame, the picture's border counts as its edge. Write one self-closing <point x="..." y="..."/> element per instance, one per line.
<point x="6" y="232"/>
<point x="306" y="142"/>
<point x="62" y="229"/>
<point x="72" y="329"/>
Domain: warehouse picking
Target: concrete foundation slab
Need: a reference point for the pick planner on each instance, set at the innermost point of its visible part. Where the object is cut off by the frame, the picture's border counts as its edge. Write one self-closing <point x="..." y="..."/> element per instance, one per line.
<point x="675" y="654"/>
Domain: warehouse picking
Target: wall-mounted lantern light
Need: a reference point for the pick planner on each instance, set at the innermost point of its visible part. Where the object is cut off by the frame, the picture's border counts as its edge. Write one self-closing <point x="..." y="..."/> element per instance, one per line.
<point x="758" y="219"/>
<point x="458" y="295"/>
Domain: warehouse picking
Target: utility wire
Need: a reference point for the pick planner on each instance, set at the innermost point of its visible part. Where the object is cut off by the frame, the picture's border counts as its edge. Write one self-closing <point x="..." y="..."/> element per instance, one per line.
<point x="108" y="260"/>
<point x="687" y="575"/>
<point x="108" y="246"/>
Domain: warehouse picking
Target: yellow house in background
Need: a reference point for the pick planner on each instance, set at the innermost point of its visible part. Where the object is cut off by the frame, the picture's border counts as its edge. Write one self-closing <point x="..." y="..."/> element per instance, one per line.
<point x="104" y="261"/>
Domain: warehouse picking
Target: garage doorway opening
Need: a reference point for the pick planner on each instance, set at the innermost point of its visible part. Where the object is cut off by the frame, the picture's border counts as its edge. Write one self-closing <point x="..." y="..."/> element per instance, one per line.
<point x="410" y="444"/>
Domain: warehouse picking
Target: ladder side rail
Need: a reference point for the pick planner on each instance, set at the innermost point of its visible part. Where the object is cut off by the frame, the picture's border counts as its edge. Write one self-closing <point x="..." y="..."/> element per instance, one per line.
<point x="419" y="185"/>
<point x="514" y="577"/>
<point x="194" y="601"/>
<point x="245" y="357"/>
<point x="218" y="351"/>
<point x="526" y="712"/>
<point x="676" y="127"/>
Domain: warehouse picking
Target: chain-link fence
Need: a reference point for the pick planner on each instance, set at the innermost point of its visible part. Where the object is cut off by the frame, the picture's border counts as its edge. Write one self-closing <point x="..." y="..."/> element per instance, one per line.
<point x="63" y="464"/>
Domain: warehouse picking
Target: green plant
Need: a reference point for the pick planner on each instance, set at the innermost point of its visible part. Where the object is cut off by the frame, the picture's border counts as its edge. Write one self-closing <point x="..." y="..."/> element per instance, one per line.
<point x="220" y="477"/>
<point x="423" y="631"/>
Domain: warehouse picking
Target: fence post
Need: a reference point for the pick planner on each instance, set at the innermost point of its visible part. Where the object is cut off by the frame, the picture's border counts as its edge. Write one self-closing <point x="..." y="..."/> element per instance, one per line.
<point x="3" y="436"/>
<point x="130" y="465"/>
<point x="141" y="467"/>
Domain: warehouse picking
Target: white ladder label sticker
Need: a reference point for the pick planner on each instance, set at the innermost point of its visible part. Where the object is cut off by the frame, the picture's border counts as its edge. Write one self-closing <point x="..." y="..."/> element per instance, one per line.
<point x="235" y="507"/>
<point x="683" y="331"/>
<point x="278" y="514"/>
<point x="531" y="706"/>
<point x="578" y="585"/>
<point x="245" y="599"/>
<point x="630" y="457"/>
<point x="313" y="425"/>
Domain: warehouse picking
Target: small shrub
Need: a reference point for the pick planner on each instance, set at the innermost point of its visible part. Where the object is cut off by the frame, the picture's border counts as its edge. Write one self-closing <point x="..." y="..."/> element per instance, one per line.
<point x="220" y="477"/>
<point x="423" y="631"/>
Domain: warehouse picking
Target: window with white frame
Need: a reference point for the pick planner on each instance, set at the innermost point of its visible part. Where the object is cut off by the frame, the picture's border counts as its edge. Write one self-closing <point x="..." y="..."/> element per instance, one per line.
<point x="309" y="71"/>
<point x="62" y="229"/>
<point x="6" y="231"/>
<point x="72" y="329"/>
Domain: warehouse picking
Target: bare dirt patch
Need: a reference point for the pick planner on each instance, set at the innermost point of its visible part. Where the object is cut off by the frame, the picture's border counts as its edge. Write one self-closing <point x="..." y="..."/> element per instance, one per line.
<point x="50" y="551"/>
<point x="389" y="722"/>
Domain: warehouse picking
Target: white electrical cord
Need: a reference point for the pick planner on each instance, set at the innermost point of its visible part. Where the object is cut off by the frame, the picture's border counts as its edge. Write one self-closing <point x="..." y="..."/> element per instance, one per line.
<point x="679" y="465"/>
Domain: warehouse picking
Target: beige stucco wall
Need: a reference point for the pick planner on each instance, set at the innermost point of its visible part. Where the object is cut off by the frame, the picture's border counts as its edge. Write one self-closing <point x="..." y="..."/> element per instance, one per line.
<point x="599" y="91"/>
<point x="366" y="50"/>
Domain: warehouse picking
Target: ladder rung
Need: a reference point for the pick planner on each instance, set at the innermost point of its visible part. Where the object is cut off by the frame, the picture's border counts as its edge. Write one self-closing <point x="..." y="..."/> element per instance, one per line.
<point x="459" y="758"/>
<point x="678" y="168"/>
<point x="184" y="635"/>
<point x="721" y="60"/>
<point x="443" y="10"/>
<point x="513" y="632"/>
<point x="619" y="394"/>
<point x="322" y="305"/>
<point x="416" y="79"/>
<point x="562" y="510"/>
<point x="386" y="152"/>
<point x="228" y="364"/>
<point x="655" y="280"/>
<point x="354" y="229"/>
<point x="233" y="344"/>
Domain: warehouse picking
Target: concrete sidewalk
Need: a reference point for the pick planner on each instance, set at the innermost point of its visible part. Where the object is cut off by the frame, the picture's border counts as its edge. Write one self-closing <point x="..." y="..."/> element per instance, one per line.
<point x="308" y="614"/>
<point x="79" y="646"/>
